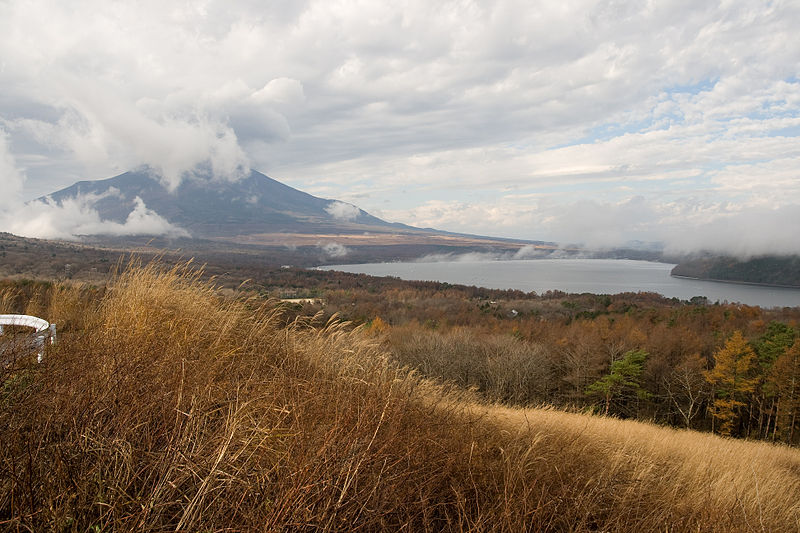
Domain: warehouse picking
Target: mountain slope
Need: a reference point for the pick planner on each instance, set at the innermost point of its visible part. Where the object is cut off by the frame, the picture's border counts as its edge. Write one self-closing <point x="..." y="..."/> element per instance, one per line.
<point x="215" y="208"/>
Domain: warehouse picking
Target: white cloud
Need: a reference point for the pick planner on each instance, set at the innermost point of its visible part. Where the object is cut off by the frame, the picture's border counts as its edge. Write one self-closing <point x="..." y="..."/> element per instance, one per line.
<point x="342" y="211"/>
<point x="334" y="250"/>
<point x="531" y="252"/>
<point x="10" y="176"/>
<point x="683" y="226"/>
<point x="75" y="217"/>
<point x="100" y="126"/>
<point x="284" y="91"/>
<point x="462" y="258"/>
<point x="751" y="232"/>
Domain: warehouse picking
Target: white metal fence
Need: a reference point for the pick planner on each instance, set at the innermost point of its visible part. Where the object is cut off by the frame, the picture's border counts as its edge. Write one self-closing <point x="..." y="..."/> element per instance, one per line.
<point x="43" y="330"/>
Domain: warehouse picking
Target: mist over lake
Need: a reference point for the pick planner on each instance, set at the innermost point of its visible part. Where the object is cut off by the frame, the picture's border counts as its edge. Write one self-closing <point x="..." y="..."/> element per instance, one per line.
<point x="598" y="276"/>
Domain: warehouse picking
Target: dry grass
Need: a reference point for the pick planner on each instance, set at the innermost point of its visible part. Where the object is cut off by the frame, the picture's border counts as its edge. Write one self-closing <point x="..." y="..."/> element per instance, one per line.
<point x="634" y="476"/>
<point x="166" y="407"/>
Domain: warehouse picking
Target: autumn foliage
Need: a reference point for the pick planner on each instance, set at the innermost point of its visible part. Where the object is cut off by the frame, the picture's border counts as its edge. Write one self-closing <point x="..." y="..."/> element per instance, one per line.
<point x="564" y="350"/>
<point x="166" y="406"/>
<point x="732" y="379"/>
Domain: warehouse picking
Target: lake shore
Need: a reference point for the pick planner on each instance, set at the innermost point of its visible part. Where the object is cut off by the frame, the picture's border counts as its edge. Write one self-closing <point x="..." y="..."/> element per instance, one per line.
<point x="578" y="276"/>
<point x="753" y="283"/>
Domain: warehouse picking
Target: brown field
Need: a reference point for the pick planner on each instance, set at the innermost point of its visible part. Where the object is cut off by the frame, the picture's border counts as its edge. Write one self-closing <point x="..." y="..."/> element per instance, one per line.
<point x="244" y="258"/>
<point x="376" y="239"/>
<point x="166" y="406"/>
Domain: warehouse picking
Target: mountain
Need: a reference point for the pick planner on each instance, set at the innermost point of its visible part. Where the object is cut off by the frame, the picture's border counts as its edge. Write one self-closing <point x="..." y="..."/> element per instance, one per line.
<point x="212" y="208"/>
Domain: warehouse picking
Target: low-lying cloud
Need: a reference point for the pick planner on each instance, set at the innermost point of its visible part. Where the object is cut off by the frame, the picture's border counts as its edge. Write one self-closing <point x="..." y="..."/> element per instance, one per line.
<point x="524" y="253"/>
<point x="342" y="211"/>
<point x="532" y="252"/>
<point x="334" y="250"/>
<point x="758" y="231"/>
<point x="683" y="226"/>
<point x="462" y="258"/>
<point x="74" y="217"/>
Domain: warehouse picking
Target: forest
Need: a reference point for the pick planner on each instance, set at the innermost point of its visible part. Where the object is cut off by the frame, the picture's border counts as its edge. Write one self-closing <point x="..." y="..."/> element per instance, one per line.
<point x="727" y="368"/>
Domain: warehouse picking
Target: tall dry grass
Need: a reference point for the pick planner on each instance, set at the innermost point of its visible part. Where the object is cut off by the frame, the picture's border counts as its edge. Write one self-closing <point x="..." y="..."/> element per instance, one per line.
<point x="166" y="407"/>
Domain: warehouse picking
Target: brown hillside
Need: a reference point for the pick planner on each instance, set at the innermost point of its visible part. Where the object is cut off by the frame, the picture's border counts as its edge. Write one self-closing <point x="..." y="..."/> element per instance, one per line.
<point x="168" y="407"/>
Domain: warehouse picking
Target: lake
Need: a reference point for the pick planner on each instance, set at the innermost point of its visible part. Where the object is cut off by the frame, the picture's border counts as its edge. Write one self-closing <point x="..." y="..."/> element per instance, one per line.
<point x="598" y="276"/>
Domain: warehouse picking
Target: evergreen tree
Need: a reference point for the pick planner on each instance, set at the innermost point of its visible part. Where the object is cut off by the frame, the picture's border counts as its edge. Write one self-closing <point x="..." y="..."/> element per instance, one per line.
<point x="774" y="342"/>
<point x="778" y="338"/>
<point x="621" y="385"/>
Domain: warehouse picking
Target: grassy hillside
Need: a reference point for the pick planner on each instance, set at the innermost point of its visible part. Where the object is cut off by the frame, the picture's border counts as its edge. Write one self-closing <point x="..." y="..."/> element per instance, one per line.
<point x="167" y="407"/>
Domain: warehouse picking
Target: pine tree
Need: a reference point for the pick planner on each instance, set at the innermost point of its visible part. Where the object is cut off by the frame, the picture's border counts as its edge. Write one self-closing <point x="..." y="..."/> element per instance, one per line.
<point x="774" y="343"/>
<point x="621" y="385"/>
<point x="732" y="379"/>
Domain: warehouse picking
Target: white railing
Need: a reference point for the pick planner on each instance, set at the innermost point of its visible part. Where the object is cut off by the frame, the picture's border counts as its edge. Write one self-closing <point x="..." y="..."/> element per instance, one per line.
<point x="42" y="329"/>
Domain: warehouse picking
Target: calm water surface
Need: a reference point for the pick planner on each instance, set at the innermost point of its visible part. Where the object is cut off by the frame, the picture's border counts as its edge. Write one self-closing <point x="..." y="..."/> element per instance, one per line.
<point x="599" y="276"/>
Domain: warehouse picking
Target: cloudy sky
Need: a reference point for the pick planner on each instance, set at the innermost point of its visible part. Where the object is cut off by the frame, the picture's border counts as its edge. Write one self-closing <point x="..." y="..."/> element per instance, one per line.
<point x="597" y="122"/>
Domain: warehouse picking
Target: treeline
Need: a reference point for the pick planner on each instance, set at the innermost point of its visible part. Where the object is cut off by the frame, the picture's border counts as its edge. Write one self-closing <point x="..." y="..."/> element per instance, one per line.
<point x="732" y="369"/>
<point x="768" y="270"/>
<point x="683" y="368"/>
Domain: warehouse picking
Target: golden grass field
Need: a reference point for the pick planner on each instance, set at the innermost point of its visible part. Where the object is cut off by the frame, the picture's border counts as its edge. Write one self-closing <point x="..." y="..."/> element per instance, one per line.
<point x="166" y="406"/>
